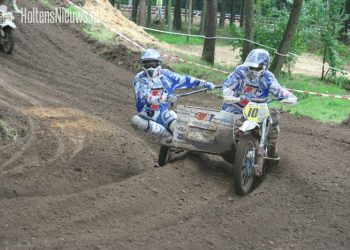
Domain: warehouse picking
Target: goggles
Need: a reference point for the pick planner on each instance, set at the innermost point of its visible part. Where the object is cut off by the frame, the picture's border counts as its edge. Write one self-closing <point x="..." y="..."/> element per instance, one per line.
<point x="150" y="64"/>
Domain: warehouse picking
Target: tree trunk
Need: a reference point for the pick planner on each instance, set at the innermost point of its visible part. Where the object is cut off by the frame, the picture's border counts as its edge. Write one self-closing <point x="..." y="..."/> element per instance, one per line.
<point x="249" y="28"/>
<point x="258" y="7"/>
<point x="186" y="11"/>
<point x="203" y="18"/>
<point x="149" y="11"/>
<point x="241" y="19"/>
<point x="222" y="13"/>
<point x="142" y="13"/>
<point x="288" y="36"/>
<point x="345" y="29"/>
<point x="170" y="16"/>
<point x="135" y="5"/>
<point x="189" y="20"/>
<point x="232" y="11"/>
<point x="208" y="53"/>
<point x="177" y="15"/>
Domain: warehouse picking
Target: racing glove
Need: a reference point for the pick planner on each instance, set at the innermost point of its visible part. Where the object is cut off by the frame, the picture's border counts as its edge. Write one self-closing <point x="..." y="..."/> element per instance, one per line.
<point x="290" y="100"/>
<point x="209" y="85"/>
<point x="172" y="98"/>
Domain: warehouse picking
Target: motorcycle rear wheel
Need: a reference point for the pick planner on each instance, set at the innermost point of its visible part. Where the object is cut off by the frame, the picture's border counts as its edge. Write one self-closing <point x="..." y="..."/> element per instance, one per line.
<point x="243" y="168"/>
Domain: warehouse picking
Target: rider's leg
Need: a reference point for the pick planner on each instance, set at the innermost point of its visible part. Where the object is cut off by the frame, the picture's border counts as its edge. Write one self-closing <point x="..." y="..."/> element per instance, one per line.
<point x="157" y="123"/>
<point x="149" y="126"/>
<point x="273" y="134"/>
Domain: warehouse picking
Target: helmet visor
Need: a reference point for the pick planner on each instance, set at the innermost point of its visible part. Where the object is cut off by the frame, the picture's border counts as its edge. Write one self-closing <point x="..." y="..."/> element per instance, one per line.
<point x="150" y="64"/>
<point x="256" y="69"/>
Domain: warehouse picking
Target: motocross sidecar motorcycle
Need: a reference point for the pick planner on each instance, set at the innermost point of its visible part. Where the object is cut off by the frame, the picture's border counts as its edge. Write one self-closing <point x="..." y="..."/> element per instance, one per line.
<point x="240" y="139"/>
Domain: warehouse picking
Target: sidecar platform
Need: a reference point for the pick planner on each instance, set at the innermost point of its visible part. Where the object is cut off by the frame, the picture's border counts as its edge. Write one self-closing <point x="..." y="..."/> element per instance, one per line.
<point x="203" y="130"/>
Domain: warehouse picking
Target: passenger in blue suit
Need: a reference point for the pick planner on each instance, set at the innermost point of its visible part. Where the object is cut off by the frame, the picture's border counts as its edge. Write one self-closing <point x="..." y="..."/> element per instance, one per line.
<point x="154" y="91"/>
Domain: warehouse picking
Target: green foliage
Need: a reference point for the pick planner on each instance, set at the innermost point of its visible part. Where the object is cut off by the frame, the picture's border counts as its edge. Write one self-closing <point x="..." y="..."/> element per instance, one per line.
<point x="325" y="20"/>
<point x="319" y="27"/>
<point x="6" y="132"/>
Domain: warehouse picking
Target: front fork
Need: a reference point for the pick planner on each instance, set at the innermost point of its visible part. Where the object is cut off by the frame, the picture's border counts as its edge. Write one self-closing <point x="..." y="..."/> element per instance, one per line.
<point x="261" y="150"/>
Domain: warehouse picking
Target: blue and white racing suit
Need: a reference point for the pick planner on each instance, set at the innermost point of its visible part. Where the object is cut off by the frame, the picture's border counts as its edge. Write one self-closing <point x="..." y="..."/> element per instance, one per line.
<point x="239" y="81"/>
<point x="151" y="99"/>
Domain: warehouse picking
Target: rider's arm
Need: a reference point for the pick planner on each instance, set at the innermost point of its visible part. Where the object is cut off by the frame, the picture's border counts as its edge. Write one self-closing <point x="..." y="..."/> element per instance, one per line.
<point x="183" y="81"/>
<point x="278" y="91"/>
<point x="233" y="83"/>
<point x="143" y="94"/>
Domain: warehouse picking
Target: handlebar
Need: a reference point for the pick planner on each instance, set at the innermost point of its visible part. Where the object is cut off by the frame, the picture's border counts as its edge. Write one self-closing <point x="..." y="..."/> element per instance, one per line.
<point x="197" y="91"/>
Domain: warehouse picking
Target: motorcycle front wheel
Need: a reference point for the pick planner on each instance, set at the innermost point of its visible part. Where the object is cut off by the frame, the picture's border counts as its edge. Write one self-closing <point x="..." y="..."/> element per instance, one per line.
<point x="243" y="168"/>
<point x="7" y="41"/>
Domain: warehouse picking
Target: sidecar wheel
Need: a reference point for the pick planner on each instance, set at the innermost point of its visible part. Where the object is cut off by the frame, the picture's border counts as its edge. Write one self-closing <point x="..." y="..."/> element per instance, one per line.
<point x="164" y="155"/>
<point x="243" y="168"/>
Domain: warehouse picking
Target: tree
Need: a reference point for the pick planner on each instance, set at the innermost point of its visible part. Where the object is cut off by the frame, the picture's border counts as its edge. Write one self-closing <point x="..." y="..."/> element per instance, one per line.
<point x="149" y="10"/>
<point x="249" y="28"/>
<point x="203" y="18"/>
<point x="241" y="19"/>
<point x="208" y="53"/>
<point x="177" y="15"/>
<point x="190" y="5"/>
<point x="135" y="5"/>
<point x="232" y="11"/>
<point x="142" y="13"/>
<point x="346" y="27"/>
<point x="288" y="36"/>
<point x="169" y="16"/>
<point x="222" y="13"/>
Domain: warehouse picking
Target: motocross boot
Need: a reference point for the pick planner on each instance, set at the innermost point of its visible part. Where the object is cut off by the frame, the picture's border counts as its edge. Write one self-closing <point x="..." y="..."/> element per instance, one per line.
<point x="273" y="135"/>
<point x="272" y="143"/>
<point x="272" y="152"/>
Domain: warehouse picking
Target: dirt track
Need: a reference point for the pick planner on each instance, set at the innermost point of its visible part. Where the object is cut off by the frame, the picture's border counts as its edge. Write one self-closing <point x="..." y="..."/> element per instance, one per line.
<point x="79" y="177"/>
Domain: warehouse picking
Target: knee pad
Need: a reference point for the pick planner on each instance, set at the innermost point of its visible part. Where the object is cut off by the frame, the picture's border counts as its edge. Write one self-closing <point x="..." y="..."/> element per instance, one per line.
<point x="172" y="126"/>
<point x="149" y="126"/>
<point x="173" y="113"/>
<point x="139" y="123"/>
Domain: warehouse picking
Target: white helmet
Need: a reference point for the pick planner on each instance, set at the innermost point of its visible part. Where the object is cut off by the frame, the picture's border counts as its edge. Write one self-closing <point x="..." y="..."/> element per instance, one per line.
<point x="150" y="62"/>
<point x="258" y="61"/>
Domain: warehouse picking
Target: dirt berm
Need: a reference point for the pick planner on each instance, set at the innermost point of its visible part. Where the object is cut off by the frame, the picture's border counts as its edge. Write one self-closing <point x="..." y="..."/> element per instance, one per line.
<point x="79" y="177"/>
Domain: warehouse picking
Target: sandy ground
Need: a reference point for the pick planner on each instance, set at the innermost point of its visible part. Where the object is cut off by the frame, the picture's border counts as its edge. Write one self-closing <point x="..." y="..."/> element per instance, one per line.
<point x="79" y="177"/>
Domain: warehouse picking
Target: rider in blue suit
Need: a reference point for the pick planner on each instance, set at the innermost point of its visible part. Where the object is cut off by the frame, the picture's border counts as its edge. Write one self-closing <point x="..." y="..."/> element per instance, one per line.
<point x="252" y="79"/>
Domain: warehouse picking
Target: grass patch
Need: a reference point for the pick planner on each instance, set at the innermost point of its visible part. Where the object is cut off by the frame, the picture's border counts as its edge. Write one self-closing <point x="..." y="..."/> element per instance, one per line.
<point x="176" y="39"/>
<point x="323" y="109"/>
<point x="182" y="40"/>
<point x="45" y="2"/>
<point x="96" y="31"/>
<point x="6" y="132"/>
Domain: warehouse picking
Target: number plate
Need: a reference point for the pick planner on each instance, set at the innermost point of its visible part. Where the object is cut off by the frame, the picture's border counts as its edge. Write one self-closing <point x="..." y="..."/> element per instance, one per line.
<point x="256" y="112"/>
